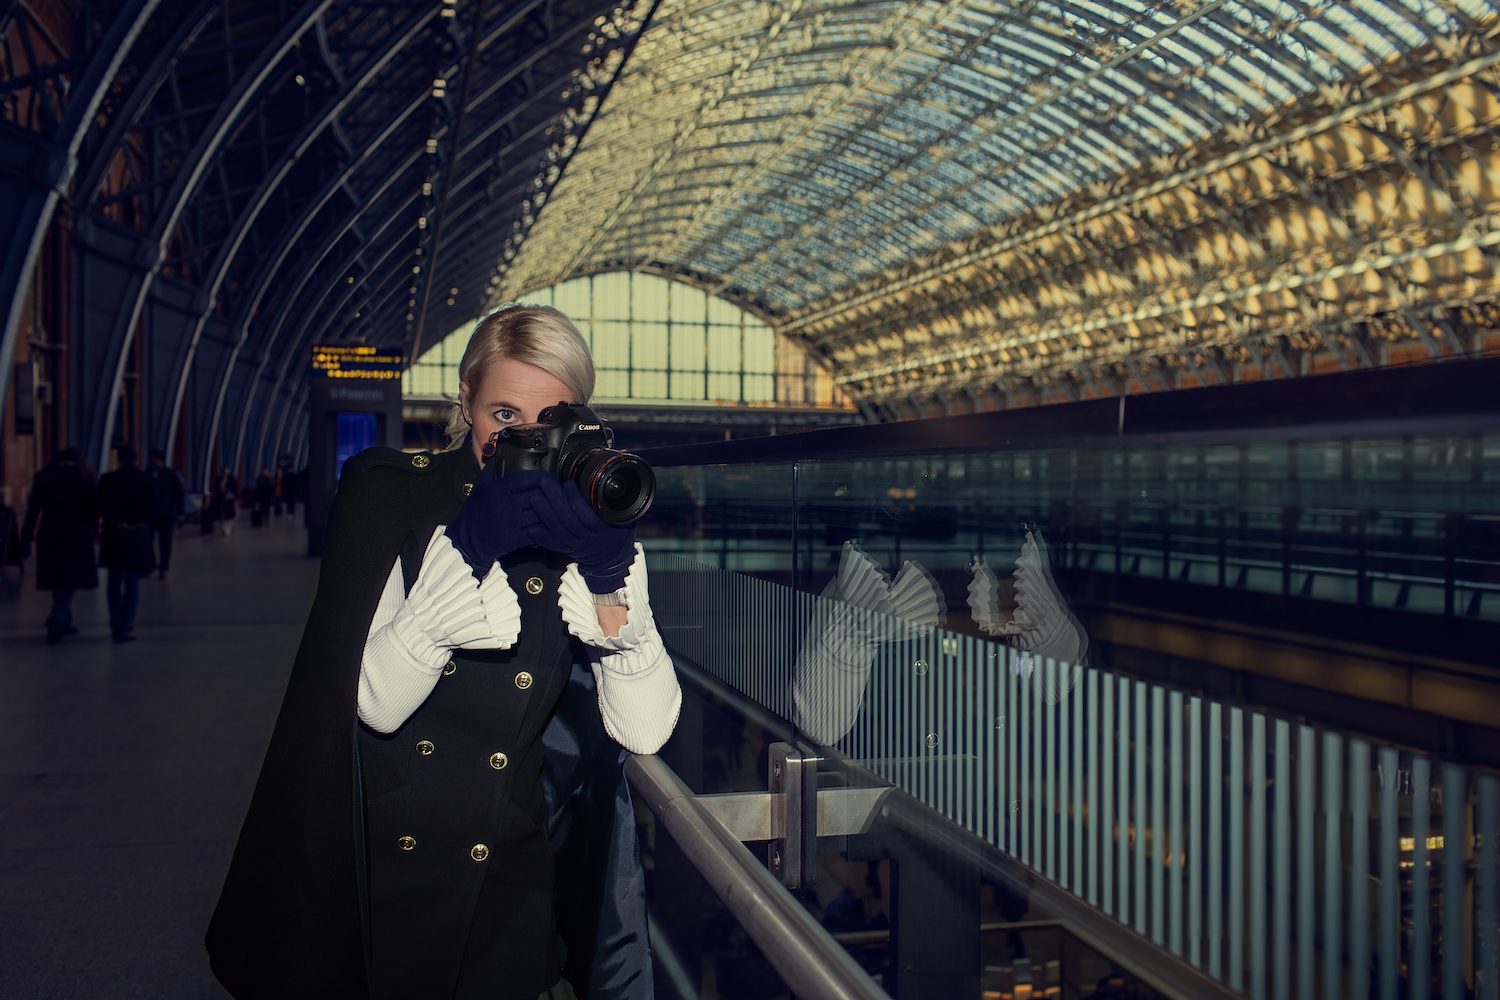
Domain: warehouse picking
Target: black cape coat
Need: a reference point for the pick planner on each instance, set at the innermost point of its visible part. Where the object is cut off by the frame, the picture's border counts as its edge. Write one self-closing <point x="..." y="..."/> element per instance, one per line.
<point x="61" y="516"/>
<point x="290" y="922"/>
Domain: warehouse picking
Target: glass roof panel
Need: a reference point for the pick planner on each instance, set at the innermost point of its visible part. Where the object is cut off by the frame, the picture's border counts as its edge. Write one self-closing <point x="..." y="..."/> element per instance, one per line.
<point x="788" y="150"/>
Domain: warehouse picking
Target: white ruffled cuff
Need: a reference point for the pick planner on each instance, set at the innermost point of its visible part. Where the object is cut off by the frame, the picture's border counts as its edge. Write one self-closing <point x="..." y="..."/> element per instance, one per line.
<point x="446" y="609"/>
<point x="576" y="602"/>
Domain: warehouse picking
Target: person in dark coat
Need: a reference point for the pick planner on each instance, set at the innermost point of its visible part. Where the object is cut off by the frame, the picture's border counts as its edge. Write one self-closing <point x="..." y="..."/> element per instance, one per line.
<point x="166" y="507"/>
<point x="125" y="499"/>
<point x="62" y="515"/>
<point x="265" y="492"/>
<point x="442" y="812"/>
<point x="221" y="503"/>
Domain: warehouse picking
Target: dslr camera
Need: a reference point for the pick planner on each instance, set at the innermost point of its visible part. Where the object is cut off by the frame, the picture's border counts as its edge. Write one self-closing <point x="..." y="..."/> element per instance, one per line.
<point x="571" y="441"/>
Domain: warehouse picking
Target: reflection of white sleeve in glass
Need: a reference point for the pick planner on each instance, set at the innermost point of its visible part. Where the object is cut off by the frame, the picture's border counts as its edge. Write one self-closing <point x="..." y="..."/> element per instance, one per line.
<point x="1042" y="626"/>
<point x="859" y="609"/>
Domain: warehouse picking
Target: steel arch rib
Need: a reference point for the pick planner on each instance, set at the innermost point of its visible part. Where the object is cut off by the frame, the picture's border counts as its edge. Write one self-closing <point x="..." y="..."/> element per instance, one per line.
<point x="336" y="106"/>
<point x="291" y="298"/>
<point x="140" y="95"/>
<point x="61" y="164"/>
<point x="293" y="232"/>
<point x="183" y="186"/>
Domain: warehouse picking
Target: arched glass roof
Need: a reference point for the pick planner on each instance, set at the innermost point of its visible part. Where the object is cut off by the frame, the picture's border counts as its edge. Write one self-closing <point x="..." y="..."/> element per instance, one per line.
<point x="790" y="150"/>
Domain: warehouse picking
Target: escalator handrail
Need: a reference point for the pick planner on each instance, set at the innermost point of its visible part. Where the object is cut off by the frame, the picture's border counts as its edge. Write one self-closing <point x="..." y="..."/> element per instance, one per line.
<point x="812" y="964"/>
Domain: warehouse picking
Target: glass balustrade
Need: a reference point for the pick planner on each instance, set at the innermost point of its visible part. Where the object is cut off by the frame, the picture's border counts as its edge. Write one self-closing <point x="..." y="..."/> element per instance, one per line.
<point x="904" y="615"/>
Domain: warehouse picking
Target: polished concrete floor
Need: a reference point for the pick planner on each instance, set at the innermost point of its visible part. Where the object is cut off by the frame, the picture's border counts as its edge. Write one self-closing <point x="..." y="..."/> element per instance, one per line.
<point x="125" y="769"/>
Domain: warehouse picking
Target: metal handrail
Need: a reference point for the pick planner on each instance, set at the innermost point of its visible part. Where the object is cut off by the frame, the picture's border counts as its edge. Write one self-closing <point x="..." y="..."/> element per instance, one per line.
<point x="1168" y="974"/>
<point x="803" y="953"/>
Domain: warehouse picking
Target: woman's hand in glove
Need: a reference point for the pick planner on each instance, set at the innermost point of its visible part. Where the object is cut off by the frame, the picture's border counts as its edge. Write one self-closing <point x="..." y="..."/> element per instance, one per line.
<point x="560" y="519"/>
<point x="491" y="524"/>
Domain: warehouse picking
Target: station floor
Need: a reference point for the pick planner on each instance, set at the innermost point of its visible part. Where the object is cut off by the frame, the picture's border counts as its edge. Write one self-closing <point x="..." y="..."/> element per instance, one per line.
<point x="125" y="770"/>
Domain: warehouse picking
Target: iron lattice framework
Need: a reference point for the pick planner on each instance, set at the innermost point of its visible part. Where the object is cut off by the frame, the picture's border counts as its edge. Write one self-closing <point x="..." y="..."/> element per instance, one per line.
<point x="245" y="179"/>
<point x="955" y="205"/>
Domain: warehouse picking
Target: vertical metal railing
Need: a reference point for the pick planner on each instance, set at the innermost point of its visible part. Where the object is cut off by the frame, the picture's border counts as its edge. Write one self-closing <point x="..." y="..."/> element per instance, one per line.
<point x="1281" y="859"/>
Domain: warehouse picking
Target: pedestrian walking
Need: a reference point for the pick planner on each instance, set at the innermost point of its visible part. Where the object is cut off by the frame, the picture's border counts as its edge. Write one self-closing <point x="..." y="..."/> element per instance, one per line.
<point x="167" y="507"/>
<point x="265" y="489"/>
<point x="226" y="492"/>
<point x="125" y="499"/>
<point x="62" y="515"/>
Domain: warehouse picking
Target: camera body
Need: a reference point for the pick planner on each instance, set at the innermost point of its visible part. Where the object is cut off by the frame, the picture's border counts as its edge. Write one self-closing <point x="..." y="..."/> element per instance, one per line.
<point x="570" y="441"/>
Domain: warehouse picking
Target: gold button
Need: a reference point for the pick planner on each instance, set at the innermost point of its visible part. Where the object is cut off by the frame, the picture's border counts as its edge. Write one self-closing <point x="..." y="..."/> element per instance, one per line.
<point x="523" y="680"/>
<point x="425" y="747"/>
<point x="498" y="761"/>
<point x="534" y="585"/>
<point x="421" y="461"/>
<point x="467" y="488"/>
<point x="452" y="666"/>
<point x="479" y="852"/>
<point x="406" y="843"/>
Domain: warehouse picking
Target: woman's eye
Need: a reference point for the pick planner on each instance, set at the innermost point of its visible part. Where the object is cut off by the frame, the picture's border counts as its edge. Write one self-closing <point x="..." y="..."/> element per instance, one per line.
<point x="505" y="416"/>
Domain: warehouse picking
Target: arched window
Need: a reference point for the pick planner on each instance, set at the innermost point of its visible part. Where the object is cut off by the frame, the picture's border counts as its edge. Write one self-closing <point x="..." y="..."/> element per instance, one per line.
<point x="653" y="340"/>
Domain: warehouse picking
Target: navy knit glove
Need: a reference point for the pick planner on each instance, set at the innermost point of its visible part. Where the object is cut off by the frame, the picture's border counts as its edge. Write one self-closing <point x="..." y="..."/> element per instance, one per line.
<point x="560" y="519"/>
<point x="490" y="527"/>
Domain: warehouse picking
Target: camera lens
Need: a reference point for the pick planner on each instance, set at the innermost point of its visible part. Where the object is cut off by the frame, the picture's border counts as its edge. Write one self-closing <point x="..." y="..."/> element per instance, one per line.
<point x="619" y="486"/>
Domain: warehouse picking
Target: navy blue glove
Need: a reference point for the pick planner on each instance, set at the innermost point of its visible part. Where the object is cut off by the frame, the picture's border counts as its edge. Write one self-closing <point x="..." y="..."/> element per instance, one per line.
<point x="560" y="519"/>
<point x="489" y="526"/>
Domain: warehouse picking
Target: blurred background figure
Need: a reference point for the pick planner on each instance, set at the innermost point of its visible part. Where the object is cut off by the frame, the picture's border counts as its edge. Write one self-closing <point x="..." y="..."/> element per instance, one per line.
<point x="62" y="514"/>
<point x="166" y="507"/>
<point x="265" y="493"/>
<point x="862" y="608"/>
<point x="1041" y="627"/>
<point x="125" y="500"/>
<point x="222" y="499"/>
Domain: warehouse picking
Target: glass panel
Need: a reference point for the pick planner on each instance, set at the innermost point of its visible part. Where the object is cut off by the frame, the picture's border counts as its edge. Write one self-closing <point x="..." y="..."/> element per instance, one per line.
<point x="957" y="626"/>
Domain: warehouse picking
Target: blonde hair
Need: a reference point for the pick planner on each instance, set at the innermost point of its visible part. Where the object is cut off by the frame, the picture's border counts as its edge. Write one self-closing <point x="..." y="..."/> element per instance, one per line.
<point x="538" y="335"/>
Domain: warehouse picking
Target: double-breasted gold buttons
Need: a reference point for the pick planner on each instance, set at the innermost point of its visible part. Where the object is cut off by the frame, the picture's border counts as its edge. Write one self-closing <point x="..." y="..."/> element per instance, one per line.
<point x="523" y="680"/>
<point x="420" y="461"/>
<point x="425" y="747"/>
<point x="479" y="852"/>
<point x="467" y="488"/>
<point x="407" y="843"/>
<point x="449" y="667"/>
<point x="534" y="586"/>
<point x="498" y="761"/>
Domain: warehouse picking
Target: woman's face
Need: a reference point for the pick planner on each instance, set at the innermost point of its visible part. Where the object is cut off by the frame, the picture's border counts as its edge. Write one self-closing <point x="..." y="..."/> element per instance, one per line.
<point x="510" y="395"/>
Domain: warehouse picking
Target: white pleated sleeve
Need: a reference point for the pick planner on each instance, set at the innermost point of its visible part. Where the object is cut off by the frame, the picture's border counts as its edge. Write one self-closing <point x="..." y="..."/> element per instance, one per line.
<point x="639" y="699"/>
<point x="412" y="634"/>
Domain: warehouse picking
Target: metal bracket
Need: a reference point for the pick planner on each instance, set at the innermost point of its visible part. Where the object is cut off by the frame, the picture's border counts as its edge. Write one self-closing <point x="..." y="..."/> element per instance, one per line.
<point x="794" y="796"/>
<point x="794" y="814"/>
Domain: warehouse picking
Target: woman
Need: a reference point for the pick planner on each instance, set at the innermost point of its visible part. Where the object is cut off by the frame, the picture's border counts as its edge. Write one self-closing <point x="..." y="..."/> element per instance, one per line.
<point x="397" y="842"/>
<point x="64" y="500"/>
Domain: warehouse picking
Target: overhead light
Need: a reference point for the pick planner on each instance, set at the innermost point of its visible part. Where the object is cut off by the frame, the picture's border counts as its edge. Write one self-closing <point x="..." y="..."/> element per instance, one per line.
<point x="301" y="80"/>
<point x="351" y="279"/>
<point x="450" y="302"/>
<point x="426" y="187"/>
<point x="416" y="269"/>
<point x="422" y="222"/>
<point x="450" y="7"/>
<point x="453" y="291"/>
<point x="432" y="145"/>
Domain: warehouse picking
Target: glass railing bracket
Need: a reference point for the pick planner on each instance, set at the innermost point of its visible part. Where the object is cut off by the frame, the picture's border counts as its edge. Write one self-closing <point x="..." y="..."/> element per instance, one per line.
<point x="794" y="813"/>
<point x="793" y="853"/>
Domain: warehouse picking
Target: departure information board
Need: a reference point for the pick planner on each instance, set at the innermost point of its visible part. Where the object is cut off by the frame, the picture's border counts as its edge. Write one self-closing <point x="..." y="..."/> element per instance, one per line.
<point x="357" y="361"/>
